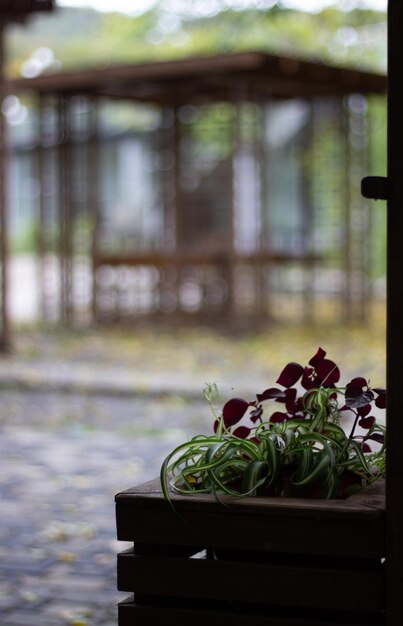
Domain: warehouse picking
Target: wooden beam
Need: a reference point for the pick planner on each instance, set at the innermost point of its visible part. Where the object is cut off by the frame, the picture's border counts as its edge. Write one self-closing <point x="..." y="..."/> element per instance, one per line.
<point x="394" y="538"/>
<point x="281" y="76"/>
<point x="15" y="8"/>
<point x="4" y="318"/>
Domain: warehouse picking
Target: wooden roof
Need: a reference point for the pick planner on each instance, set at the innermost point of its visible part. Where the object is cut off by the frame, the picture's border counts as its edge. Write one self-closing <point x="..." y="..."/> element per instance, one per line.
<point x="11" y="10"/>
<point x="222" y="76"/>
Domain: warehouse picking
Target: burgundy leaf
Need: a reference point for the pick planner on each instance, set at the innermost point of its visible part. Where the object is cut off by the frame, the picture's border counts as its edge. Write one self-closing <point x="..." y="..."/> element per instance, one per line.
<point x="346" y="408"/>
<point x="290" y="375"/>
<point x="255" y="440"/>
<point x="308" y="381"/>
<point x="278" y="416"/>
<point x="270" y="394"/>
<point x="242" y="432"/>
<point x="290" y="397"/>
<point x="317" y="358"/>
<point x="358" y="382"/>
<point x="327" y="373"/>
<point x="377" y="437"/>
<point x="367" y="422"/>
<point x="256" y="414"/>
<point x="356" y="397"/>
<point x="234" y="410"/>
<point x="366" y="448"/>
<point x="215" y="425"/>
<point x="380" y="401"/>
<point x="364" y="410"/>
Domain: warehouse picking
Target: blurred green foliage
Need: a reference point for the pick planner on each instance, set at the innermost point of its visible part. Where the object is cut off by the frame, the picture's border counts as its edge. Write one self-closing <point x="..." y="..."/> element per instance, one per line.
<point x="84" y="37"/>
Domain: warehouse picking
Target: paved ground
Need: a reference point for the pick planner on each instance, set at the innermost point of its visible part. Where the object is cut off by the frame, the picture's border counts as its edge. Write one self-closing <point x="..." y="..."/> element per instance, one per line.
<point x="63" y="457"/>
<point x="83" y="416"/>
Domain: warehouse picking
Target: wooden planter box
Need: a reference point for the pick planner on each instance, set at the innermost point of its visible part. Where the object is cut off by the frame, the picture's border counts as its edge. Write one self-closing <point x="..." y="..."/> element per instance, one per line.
<point x="256" y="561"/>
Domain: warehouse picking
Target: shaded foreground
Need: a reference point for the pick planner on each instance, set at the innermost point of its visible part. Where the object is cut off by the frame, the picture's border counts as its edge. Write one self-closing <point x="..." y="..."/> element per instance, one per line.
<point x="87" y="414"/>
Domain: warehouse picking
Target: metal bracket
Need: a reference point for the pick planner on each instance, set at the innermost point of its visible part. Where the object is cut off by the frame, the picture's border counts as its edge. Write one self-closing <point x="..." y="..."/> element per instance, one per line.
<point x="375" y="187"/>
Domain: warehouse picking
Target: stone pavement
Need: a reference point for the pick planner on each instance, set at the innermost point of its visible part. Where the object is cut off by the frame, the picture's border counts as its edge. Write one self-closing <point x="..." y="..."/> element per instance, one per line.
<point x="75" y="431"/>
<point x="100" y="377"/>
<point x="64" y="454"/>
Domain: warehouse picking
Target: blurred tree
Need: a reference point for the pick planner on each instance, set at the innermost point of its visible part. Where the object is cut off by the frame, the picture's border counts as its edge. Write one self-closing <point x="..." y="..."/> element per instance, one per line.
<point x="174" y="28"/>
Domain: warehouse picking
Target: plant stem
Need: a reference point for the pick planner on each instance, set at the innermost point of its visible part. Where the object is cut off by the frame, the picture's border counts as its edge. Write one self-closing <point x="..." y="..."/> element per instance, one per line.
<point x="354" y="426"/>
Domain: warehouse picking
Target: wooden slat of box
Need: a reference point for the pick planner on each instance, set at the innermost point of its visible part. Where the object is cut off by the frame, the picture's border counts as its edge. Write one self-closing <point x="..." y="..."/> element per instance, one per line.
<point x="132" y="614"/>
<point x="253" y="561"/>
<point x="352" y="527"/>
<point x="262" y="583"/>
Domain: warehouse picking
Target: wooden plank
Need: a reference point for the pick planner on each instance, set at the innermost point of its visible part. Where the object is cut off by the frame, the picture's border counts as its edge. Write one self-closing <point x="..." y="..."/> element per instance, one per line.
<point x="9" y="9"/>
<point x="202" y="257"/>
<point x="131" y="613"/>
<point x="350" y="528"/>
<point x="372" y="496"/>
<point x="356" y="589"/>
<point x="394" y="572"/>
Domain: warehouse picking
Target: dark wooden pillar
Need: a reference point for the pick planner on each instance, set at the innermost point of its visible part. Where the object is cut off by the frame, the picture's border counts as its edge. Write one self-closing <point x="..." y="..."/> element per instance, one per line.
<point x="394" y="499"/>
<point x="93" y="191"/>
<point x="66" y="212"/>
<point x="4" y="319"/>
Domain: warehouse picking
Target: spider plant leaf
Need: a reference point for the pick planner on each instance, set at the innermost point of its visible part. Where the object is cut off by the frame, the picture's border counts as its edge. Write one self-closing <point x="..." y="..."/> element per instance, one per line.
<point x="272" y="457"/>
<point x="217" y="485"/>
<point x="360" y="456"/>
<point x="332" y="484"/>
<point x="254" y="476"/>
<point x="306" y="462"/>
<point x="321" y="466"/>
<point x="166" y="466"/>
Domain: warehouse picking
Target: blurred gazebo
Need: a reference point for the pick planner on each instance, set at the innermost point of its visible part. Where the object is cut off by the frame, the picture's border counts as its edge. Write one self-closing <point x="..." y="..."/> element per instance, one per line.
<point x="244" y="200"/>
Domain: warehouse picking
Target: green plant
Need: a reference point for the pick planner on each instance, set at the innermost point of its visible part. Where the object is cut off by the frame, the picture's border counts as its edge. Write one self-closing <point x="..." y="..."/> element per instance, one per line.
<point x="301" y="450"/>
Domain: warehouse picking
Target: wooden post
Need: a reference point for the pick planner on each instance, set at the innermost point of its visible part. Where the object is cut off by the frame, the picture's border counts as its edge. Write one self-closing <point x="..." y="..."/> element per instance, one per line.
<point x="264" y="159"/>
<point x="93" y="184"/>
<point x="66" y="217"/>
<point x="394" y="506"/>
<point x="4" y="319"/>
<point x="41" y="238"/>
<point x="45" y="176"/>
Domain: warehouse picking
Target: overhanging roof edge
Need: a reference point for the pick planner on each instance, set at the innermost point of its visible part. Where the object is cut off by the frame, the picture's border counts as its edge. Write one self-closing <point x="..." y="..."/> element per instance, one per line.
<point x="342" y="79"/>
